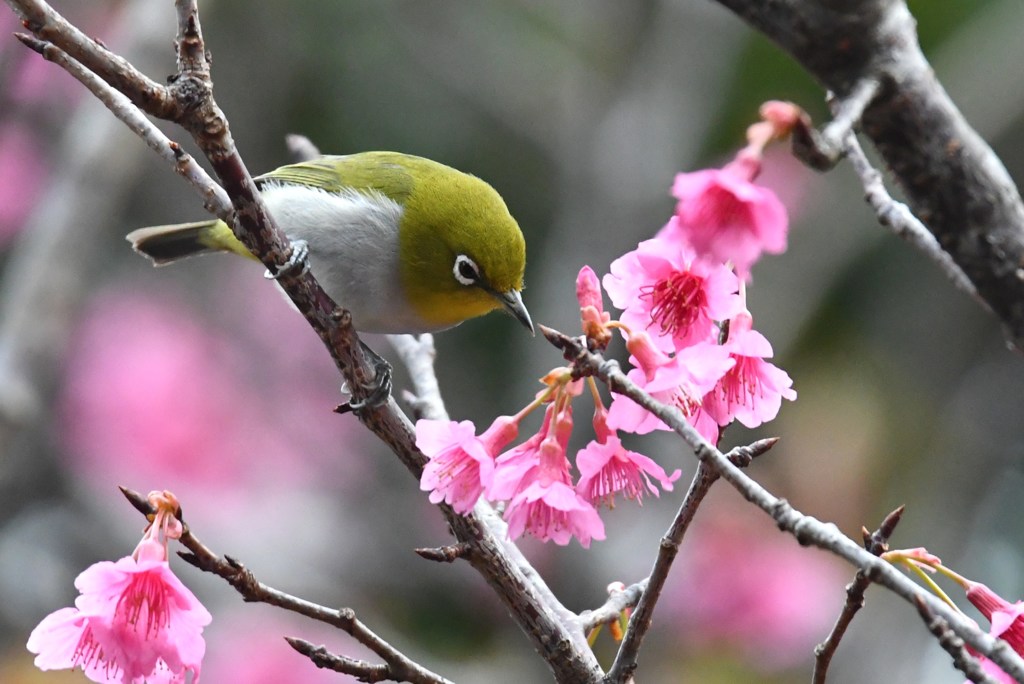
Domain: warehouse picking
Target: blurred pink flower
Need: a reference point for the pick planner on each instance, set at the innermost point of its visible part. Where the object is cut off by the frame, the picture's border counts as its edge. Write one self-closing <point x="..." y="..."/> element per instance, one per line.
<point x="726" y="217"/>
<point x="247" y="646"/>
<point x="21" y="177"/>
<point x="607" y="468"/>
<point x="662" y="287"/>
<point x="753" y="389"/>
<point x="153" y="393"/>
<point x="755" y="590"/>
<point x="134" y="620"/>
<point x="461" y="464"/>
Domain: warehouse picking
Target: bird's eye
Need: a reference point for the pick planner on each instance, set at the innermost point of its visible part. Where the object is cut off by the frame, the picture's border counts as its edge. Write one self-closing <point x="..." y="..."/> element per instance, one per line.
<point x="465" y="270"/>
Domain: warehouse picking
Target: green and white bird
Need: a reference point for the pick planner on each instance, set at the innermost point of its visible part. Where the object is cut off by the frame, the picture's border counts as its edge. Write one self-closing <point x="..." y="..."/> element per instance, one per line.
<point x="406" y="244"/>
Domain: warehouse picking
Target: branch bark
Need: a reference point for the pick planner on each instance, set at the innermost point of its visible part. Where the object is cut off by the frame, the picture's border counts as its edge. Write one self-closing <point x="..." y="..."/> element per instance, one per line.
<point x="953" y="180"/>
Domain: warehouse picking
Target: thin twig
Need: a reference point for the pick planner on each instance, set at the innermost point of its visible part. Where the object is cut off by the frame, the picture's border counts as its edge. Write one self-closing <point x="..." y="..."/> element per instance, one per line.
<point x="319" y="655"/>
<point x="643" y="617"/>
<point x="901" y="221"/>
<point x="609" y="611"/>
<point x="418" y="354"/>
<point x="215" y="200"/>
<point x="48" y="25"/>
<point x="954" y="646"/>
<point x="807" y="530"/>
<point x="445" y="554"/>
<point x="822" y="150"/>
<point x="876" y="543"/>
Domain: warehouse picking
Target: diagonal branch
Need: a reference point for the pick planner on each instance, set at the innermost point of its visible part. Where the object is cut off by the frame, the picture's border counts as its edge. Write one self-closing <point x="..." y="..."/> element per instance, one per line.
<point x="807" y="530"/>
<point x="48" y="25"/>
<point x="188" y="101"/>
<point x="954" y="646"/>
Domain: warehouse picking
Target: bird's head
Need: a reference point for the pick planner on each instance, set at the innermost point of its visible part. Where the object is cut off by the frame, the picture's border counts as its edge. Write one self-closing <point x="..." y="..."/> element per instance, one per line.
<point x="461" y="252"/>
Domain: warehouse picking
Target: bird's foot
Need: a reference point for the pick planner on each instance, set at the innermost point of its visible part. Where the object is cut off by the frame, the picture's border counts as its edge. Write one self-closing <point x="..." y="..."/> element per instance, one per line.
<point x="378" y="391"/>
<point x="297" y="264"/>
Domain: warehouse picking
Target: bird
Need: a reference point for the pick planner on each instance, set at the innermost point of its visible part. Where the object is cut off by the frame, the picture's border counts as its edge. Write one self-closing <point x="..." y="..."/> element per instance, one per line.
<point x="406" y="244"/>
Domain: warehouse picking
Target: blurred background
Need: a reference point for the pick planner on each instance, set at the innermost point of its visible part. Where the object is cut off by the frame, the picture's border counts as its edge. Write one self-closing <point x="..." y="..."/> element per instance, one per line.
<point x="200" y="379"/>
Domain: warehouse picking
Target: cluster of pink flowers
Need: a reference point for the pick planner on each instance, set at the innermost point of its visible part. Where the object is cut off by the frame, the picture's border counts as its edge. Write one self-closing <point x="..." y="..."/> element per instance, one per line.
<point x="692" y="345"/>
<point x="134" y="621"/>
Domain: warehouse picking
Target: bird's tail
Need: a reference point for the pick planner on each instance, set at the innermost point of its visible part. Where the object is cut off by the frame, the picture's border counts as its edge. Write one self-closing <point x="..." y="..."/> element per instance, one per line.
<point x="164" y="244"/>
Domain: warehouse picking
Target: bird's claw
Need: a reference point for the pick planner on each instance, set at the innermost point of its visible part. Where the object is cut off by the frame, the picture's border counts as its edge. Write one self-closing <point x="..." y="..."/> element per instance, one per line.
<point x="379" y="390"/>
<point x="297" y="264"/>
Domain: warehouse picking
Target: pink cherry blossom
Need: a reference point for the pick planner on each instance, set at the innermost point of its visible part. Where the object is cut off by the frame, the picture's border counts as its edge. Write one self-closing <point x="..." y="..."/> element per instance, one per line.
<point x="753" y="389"/>
<point x="606" y="468"/>
<point x="681" y="382"/>
<point x="662" y="287"/>
<point x="513" y="466"/>
<point x="461" y="464"/>
<point x="553" y="511"/>
<point x="540" y="458"/>
<point x="1007" y="618"/>
<point x="593" y="317"/>
<point x="133" y="621"/>
<point x="725" y="217"/>
<point x="534" y="477"/>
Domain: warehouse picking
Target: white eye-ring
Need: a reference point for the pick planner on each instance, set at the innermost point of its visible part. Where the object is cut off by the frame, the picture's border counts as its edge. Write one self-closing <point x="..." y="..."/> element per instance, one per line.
<point x="465" y="270"/>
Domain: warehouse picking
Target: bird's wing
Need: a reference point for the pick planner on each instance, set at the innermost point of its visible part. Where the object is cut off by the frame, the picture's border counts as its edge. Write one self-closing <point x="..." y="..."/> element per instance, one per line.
<point x="383" y="172"/>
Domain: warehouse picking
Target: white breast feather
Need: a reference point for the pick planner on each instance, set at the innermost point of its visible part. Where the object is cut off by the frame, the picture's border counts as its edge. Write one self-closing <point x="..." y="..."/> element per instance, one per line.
<point x="353" y="250"/>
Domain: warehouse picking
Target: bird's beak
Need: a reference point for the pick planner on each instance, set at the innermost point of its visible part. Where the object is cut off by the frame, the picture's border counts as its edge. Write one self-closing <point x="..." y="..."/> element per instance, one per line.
<point x="513" y="303"/>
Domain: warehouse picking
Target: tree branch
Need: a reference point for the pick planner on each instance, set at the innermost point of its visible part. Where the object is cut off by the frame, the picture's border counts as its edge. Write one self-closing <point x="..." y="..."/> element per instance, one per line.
<point x="48" y="25"/>
<point x="418" y="354"/>
<point x="397" y="666"/>
<point x="215" y="200"/>
<point x="610" y="610"/>
<point x="188" y="101"/>
<point x="953" y="180"/>
<point x="901" y="221"/>
<point x="954" y="646"/>
<point x="823" y="150"/>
